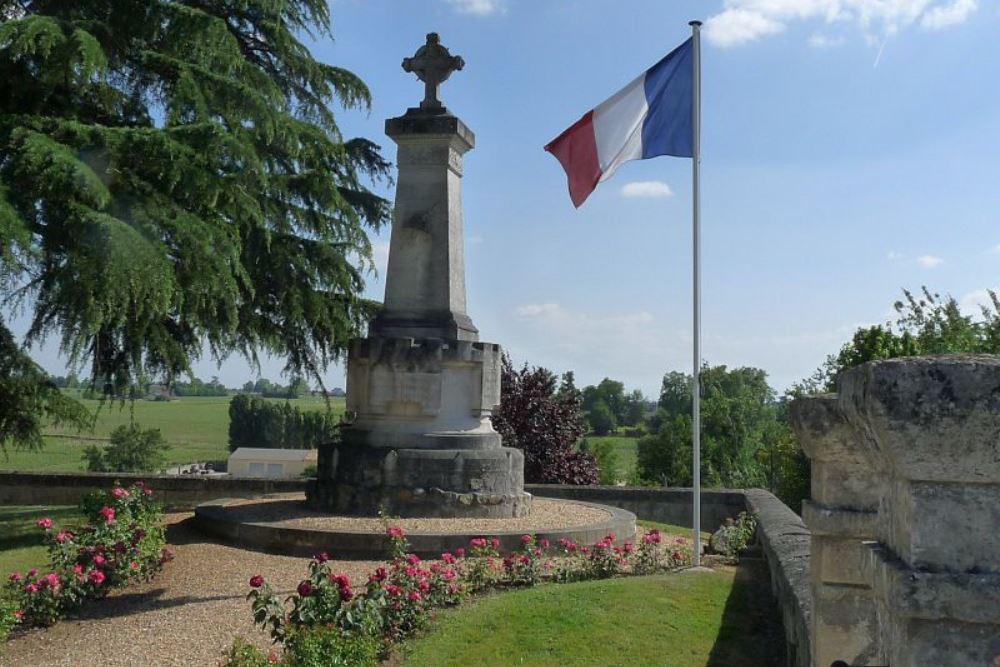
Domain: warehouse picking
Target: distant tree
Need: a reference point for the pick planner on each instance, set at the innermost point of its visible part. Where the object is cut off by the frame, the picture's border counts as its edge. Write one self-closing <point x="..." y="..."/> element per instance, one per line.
<point x="739" y="422"/>
<point x="601" y="418"/>
<point x="611" y="392"/>
<point x="132" y="449"/>
<point x="255" y="422"/>
<point x="634" y="408"/>
<point x="546" y="427"/>
<point x="173" y="179"/>
<point x="567" y="388"/>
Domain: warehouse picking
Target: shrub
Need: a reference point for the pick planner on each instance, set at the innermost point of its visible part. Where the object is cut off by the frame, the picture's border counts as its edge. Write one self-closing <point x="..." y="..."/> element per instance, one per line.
<point x="123" y="541"/>
<point x="132" y="449"/>
<point x="9" y="616"/>
<point x="608" y="464"/>
<point x="601" y="418"/>
<point x="245" y="654"/>
<point x="545" y="424"/>
<point x="735" y="535"/>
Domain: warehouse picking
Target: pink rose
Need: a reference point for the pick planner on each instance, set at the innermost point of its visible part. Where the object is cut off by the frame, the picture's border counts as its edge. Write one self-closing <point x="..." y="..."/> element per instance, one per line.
<point x="147" y="491"/>
<point x="477" y="542"/>
<point x="31" y="588"/>
<point x="32" y="572"/>
<point x="100" y="560"/>
<point x="496" y="544"/>
<point x="460" y="552"/>
<point x="414" y="597"/>
<point x="448" y="558"/>
<point x="51" y="580"/>
<point x="15" y="577"/>
<point x="305" y="588"/>
<point x="413" y="559"/>
<point x="78" y="569"/>
<point x="256" y="581"/>
<point x="448" y="575"/>
<point x="392" y="589"/>
<point x="96" y="577"/>
<point x="526" y="539"/>
<point x="395" y="532"/>
<point x="543" y="543"/>
<point x="45" y="523"/>
<point x="133" y="565"/>
<point x="63" y="535"/>
<point x="108" y="513"/>
<point x="321" y="557"/>
<point x="118" y="493"/>
<point x="19" y="615"/>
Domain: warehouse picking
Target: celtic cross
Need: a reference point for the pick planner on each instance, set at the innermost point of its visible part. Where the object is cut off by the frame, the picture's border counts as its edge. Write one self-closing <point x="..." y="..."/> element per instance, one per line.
<point x="433" y="64"/>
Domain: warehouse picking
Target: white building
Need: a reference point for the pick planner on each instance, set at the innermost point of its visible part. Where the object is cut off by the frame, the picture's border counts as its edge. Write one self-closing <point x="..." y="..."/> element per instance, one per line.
<point x="270" y="463"/>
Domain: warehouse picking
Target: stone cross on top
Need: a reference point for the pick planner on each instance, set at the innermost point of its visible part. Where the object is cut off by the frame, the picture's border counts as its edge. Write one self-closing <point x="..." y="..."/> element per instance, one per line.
<point x="433" y="64"/>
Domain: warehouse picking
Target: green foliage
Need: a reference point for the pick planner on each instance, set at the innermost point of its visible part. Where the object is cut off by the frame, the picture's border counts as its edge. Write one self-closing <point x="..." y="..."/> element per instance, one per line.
<point x="244" y="654"/>
<point x="735" y="536"/>
<point x="171" y="175"/>
<point x="198" y="387"/>
<point x="739" y="426"/>
<point x="30" y="399"/>
<point x="606" y="455"/>
<point x="330" y="647"/>
<point x="132" y="449"/>
<point x="925" y="324"/>
<point x="601" y="417"/>
<point x="254" y="422"/>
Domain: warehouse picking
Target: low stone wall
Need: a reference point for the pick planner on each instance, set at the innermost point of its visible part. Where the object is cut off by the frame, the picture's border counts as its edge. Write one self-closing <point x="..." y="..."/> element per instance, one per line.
<point x="663" y="505"/>
<point x="783" y="537"/>
<point x="174" y="491"/>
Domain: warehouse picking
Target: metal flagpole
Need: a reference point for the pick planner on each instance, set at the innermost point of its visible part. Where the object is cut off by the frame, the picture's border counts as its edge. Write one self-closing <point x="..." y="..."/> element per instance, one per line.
<point x="696" y="229"/>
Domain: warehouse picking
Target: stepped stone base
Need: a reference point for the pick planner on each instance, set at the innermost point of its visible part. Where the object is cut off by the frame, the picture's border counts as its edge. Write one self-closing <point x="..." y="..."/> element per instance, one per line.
<point x="365" y="481"/>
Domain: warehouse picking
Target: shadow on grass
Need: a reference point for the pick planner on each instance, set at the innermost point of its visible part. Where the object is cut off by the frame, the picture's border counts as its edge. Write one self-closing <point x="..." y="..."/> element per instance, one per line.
<point x="751" y="634"/>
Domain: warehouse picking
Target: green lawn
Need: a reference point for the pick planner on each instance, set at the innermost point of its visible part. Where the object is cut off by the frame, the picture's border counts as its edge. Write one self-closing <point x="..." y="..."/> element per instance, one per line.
<point x="671" y="529"/>
<point x="688" y="619"/>
<point x="21" y="541"/>
<point x="625" y="449"/>
<point x="196" y="429"/>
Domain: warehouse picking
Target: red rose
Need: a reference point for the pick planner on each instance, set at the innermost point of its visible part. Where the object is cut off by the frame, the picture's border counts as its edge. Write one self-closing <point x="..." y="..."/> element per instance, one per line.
<point x="256" y="581"/>
<point x="108" y="513"/>
<point x="45" y="523"/>
<point x="305" y="588"/>
<point x="96" y="577"/>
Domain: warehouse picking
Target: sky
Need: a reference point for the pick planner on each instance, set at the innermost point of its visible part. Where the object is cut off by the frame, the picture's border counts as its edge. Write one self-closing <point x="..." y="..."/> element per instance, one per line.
<point x="849" y="150"/>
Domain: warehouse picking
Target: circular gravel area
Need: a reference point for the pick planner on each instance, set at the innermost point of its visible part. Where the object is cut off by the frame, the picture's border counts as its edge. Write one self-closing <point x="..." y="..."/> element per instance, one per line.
<point x="290" y="511"/>
<point x="286" y="525"/>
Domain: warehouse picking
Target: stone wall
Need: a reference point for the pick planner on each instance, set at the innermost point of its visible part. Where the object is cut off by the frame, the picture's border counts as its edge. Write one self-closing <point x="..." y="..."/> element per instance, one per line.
<point x="174" y="491"/>
<point x="904" y="513"/>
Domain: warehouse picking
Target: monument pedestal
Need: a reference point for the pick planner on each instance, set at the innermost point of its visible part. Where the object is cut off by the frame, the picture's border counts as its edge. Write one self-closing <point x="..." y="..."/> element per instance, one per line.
<point x="422" y="443"/>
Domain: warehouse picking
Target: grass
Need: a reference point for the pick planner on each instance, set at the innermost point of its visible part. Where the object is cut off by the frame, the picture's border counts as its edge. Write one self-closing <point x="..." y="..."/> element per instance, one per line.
<point x="672" y="529"/>
<point x="21" y="541"/>
<point x="196" y="428"/>
<point x="711" y="619"/>
<point x="625" y="449"/>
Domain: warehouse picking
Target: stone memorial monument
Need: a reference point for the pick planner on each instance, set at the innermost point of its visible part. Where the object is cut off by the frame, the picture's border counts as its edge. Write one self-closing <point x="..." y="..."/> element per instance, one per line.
<point x="421" y="385"/>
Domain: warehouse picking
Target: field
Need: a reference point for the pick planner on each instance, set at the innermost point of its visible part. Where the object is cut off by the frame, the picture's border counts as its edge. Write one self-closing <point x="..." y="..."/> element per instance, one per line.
<point x="196" y="429"/>
<point x="625" y="449"/>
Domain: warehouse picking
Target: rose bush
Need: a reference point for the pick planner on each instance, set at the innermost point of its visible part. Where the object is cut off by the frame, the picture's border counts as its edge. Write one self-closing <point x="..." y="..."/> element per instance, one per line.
<point x="123" y="540"/>
<point x="327" y="617"/>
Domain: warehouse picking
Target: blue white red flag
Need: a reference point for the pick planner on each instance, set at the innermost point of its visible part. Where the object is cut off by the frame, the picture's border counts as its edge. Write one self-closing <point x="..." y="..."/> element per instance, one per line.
<point x="649" y="117"/>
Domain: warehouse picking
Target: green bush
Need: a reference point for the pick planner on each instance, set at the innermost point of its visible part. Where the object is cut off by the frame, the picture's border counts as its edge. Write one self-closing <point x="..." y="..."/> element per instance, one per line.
<point x="608" y="465"/>
<point x="330" y="647"/>
<point x="8" y="616"/>
<point x="123" y="541"/>
<point x="132" y="449"/>
<point x="244" y="654"/>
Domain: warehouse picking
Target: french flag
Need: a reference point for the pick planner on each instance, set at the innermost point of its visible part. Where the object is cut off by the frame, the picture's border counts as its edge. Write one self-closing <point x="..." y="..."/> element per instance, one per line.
<point x="649" y="117"/>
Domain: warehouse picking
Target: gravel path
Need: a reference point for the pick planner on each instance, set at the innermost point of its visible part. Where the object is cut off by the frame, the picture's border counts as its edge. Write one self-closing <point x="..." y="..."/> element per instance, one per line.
<point x="189" y="615"/>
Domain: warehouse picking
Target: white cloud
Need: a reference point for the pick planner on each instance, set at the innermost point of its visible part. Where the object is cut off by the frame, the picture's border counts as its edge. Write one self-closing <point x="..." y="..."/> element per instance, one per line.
<point x="973" y="302"/>
<point x="820" y="41"/>
<point x="744" y="21"/>
<point x="929" y="261"/>
<point x="479" y="7"/>
<point x="647" y="189"/>
<point x="946" y="16"/>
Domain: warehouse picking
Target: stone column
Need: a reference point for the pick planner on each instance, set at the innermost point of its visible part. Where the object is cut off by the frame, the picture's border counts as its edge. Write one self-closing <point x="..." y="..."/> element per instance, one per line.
<point x="425" y="280"/>
<point x="840" y="515"/>
<point x="932" y="427"/>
